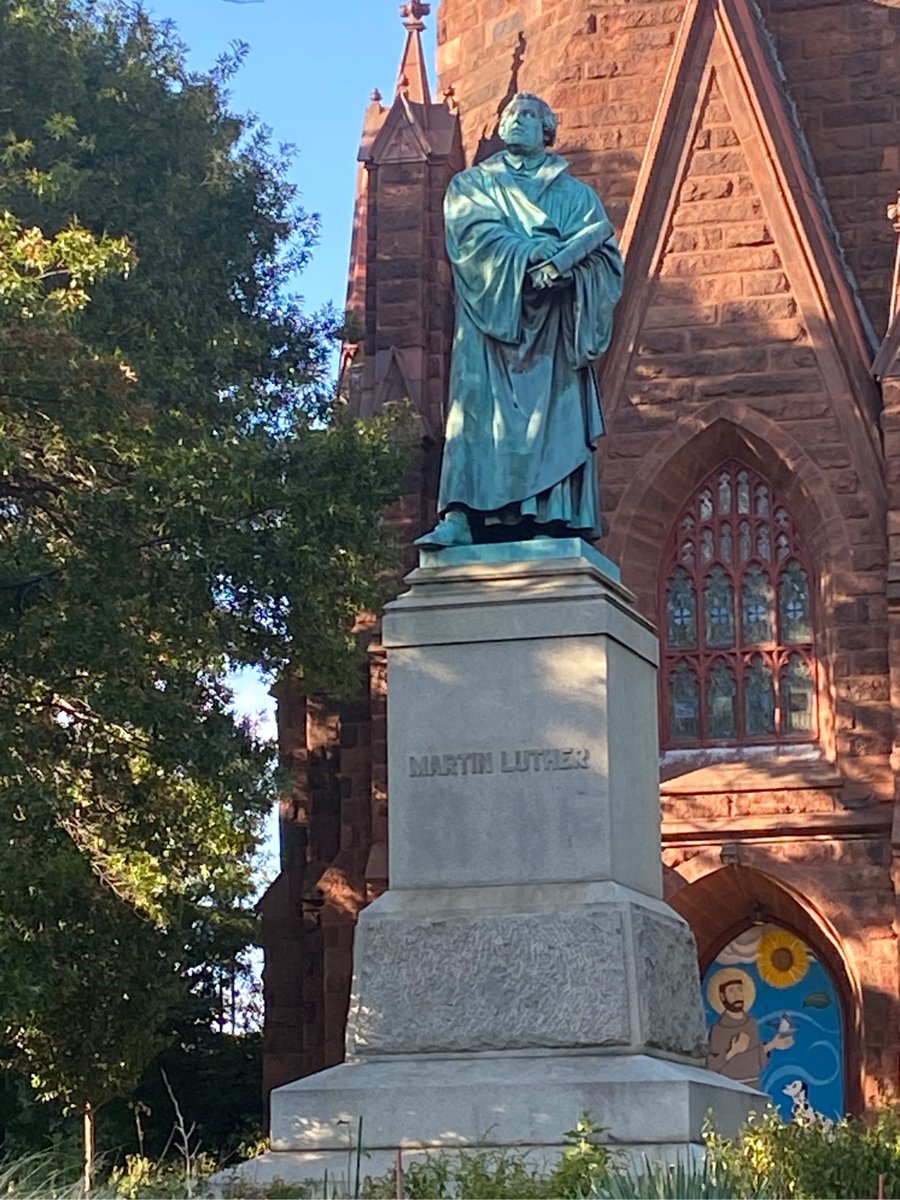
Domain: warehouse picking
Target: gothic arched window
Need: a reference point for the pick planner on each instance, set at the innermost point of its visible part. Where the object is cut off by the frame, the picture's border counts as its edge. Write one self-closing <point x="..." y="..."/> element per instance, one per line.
<point x="737" y="631"/>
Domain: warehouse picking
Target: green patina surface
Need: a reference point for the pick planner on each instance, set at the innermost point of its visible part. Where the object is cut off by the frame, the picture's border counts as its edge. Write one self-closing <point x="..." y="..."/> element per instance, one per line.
<point x="537" y="273"/>
<point x="535" y="549"/>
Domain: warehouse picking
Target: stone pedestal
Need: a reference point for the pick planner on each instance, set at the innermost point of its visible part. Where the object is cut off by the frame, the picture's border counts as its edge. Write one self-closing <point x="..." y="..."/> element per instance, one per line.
<point x="522" y="968"/>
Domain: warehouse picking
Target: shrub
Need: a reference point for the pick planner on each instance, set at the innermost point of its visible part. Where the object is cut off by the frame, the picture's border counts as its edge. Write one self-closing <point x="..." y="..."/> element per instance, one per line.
<point x="810" y="1159"/>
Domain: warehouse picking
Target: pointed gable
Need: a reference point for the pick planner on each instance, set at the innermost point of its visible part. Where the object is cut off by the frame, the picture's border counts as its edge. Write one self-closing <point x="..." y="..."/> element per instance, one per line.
<point x="403" y="137"/>
<point x="735" y="282"/>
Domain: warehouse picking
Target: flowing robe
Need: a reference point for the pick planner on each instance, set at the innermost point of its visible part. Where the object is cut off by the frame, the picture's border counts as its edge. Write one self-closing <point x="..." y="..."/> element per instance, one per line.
<point x="524" y="409"/>
<point x="746" y="1066"/>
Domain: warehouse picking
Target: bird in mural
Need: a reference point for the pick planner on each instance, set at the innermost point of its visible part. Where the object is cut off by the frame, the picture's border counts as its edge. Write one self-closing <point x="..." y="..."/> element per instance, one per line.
<point x="784" y="1027"/>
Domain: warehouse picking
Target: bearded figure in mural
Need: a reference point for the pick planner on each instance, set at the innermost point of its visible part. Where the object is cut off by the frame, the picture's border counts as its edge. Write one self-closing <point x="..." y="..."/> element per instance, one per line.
<point x="537" y="273"/>
<point x="736" y="1048"/>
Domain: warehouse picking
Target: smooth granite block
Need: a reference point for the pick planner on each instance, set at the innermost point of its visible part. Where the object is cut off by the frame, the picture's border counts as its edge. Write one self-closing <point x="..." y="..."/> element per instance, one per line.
<point x="522" y="729"/>
<point x="505" y="1100"/>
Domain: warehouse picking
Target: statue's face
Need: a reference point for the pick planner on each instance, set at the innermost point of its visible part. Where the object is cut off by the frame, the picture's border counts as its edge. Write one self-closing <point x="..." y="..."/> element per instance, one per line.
<point x="521" y="127"/>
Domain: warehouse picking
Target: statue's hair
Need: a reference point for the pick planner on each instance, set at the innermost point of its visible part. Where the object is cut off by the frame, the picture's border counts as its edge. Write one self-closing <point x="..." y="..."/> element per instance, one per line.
<point x="548" y="116"/>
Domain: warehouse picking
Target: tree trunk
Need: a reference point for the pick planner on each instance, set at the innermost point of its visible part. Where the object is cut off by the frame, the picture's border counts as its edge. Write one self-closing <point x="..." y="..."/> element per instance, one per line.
<point x="88" y="1160"/>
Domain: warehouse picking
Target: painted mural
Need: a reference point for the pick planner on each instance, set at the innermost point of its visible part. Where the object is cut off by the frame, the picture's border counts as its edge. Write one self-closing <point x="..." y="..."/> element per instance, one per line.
<point x="775" y="1022"/>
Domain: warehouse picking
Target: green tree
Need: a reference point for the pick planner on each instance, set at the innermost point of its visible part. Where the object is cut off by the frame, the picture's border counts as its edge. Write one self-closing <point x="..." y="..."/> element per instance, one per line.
<point x="178" y="493"/>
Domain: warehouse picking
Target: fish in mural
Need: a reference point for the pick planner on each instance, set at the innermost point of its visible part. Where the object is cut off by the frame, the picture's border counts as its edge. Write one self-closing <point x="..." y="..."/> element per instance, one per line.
<point x="817" y="1000"/>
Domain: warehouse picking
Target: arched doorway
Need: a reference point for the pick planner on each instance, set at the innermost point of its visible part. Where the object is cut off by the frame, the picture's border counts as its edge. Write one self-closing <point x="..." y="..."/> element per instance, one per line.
<point x="781" y="1008"/>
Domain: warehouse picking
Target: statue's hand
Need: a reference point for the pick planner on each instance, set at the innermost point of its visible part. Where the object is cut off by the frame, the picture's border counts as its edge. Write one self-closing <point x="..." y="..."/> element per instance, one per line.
<point x="547" y="276"/>
<point x="544" y="249"/>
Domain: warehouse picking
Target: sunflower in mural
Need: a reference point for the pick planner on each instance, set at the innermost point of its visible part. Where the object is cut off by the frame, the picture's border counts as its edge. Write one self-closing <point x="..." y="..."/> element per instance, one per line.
<point x="783" y="959"/>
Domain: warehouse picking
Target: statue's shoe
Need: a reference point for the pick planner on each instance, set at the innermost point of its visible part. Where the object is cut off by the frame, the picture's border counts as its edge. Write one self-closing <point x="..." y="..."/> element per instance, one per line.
<point x="452" y="530"/>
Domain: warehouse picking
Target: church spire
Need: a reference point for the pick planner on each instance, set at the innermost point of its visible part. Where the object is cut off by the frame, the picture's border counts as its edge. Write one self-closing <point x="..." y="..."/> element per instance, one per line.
<point x="412" y="82"/>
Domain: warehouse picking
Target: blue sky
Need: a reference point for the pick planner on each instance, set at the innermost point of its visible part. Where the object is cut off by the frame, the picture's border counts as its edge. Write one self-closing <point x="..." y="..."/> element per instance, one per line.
<point x="310" y="70"/>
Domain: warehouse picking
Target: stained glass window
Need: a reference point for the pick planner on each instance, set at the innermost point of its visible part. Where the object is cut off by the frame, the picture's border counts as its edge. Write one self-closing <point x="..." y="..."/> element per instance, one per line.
<point x="718" y="608"/>
<point x="725" y="548"/>
<point x="725" y="492"/>
<point x="746" y="541"/>
<point x="797" y="695"/>
<point x="757" y="609"/>
<point x="738" y="600"/>
<point x="681" y="610"/>
<point x="759" y="699"/>
<point x="793" y="604"/>
<point x="684" y="704"/>
<point x="743" y="491"/>
<point x="721" y="701"/>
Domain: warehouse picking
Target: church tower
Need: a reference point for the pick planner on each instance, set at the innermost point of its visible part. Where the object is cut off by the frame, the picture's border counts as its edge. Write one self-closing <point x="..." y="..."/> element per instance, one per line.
<point x="746" y="151"/>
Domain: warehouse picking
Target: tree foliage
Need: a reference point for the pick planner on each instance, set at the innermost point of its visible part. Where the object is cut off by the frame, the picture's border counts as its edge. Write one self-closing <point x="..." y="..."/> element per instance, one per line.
<point x="178" y="492"/>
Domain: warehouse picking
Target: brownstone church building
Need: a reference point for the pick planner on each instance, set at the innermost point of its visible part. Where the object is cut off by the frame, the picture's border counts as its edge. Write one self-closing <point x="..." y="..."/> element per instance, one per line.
<point x="747" y="152"/>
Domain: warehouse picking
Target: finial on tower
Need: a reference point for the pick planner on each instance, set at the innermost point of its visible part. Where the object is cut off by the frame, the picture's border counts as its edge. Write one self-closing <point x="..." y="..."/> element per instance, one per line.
<point x="412" y="14"/>
<point x="412" y="82"/>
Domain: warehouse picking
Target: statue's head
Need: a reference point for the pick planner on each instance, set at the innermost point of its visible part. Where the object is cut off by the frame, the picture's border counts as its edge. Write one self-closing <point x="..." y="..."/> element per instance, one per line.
<point x="522" y="110"/>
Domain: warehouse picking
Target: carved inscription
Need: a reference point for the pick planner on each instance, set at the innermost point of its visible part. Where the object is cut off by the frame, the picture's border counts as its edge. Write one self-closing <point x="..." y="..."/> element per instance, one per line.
<point x="503" y="762"/>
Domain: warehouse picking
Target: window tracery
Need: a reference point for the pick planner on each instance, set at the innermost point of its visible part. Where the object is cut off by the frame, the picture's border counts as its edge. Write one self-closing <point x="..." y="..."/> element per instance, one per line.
<point x="737" y="594"/>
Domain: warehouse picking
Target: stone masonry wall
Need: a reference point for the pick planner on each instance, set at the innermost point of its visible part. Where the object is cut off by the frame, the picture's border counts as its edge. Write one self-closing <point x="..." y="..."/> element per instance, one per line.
<point x="602" y="63"/>
<point x="601" y="66"/>
<point x="840" y="58"/>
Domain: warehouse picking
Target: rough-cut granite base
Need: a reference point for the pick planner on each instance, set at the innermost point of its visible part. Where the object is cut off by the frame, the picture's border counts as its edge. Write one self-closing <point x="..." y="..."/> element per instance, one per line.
<point x="515" y="968"/>
<point x="491" y="1101"/>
